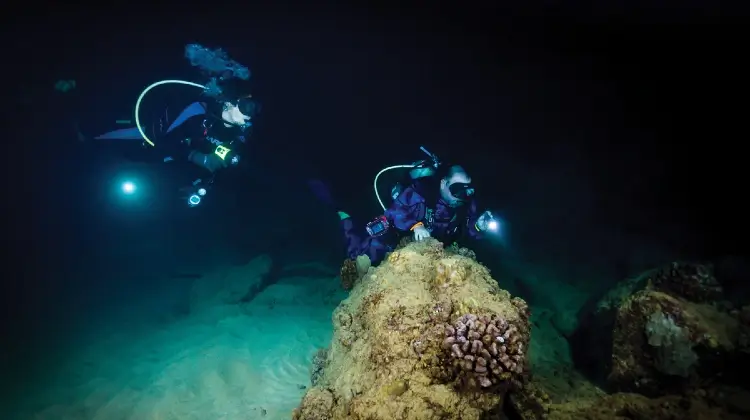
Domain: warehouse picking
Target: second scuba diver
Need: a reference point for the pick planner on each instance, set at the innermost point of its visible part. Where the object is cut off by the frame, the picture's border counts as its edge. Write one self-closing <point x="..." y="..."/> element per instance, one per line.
<point x="208" y="133"/>
<point x="438" y="202"/>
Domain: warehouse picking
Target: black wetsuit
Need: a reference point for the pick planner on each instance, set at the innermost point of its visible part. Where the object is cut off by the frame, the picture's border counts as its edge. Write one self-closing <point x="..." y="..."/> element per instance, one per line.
<point x="202" y="134"/>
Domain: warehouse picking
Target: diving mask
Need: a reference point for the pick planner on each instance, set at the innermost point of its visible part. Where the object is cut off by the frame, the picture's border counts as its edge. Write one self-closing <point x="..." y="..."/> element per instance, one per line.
<point x="461" y="191"/>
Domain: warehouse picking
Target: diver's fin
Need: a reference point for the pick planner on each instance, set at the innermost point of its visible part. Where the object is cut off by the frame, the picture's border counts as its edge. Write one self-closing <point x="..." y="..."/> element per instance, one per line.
<point x="132" y="133"/>
<point x="122" y="134"/>
<point x="321" y="191"/>
<point x="196" y="108"/>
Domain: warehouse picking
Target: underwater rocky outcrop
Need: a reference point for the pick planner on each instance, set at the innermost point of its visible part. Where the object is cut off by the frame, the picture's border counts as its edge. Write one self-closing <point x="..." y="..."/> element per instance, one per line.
<point x="428" y="334"/>
<point x="669" y="335"/>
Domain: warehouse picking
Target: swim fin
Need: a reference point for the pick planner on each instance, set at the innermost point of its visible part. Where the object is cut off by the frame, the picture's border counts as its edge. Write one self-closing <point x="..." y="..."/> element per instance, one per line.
<point x="321" y="191"/>
<point x="132" y="133"/>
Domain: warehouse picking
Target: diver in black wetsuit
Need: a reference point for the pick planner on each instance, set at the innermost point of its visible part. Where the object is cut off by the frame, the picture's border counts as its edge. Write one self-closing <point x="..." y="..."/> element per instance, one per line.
<point x="208" y="134"/>
<point x="214" y="141"/>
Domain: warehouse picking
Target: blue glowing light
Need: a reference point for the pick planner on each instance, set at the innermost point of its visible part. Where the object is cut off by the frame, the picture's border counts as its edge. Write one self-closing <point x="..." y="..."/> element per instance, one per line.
<point x="128" y="187"/>
<point x="194" y="200"/>
<point x="493" y="225"/>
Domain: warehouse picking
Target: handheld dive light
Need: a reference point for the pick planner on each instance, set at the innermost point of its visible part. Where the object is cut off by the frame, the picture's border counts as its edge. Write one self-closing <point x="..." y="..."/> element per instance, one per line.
<point x="489" y="222"/>
<point x="128" y="187"/>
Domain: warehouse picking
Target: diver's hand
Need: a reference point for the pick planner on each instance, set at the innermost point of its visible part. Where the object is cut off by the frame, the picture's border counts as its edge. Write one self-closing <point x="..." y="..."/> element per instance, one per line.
<point x="420" y="233"/>
<point x="210" y="161"/>
<point x="486" y="221"/>
<point x="234" y="160"/>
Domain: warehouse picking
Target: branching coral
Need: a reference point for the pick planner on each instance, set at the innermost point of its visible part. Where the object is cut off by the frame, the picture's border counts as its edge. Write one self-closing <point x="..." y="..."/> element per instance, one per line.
<point x="484" y="350"/>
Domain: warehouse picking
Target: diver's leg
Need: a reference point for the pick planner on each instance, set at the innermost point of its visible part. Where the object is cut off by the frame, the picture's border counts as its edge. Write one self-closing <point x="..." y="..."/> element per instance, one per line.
<point x="357" y="244"/>
<point x="377" y="250"/>
<point x="354" y="243"/>
<point x="133" y="133"/>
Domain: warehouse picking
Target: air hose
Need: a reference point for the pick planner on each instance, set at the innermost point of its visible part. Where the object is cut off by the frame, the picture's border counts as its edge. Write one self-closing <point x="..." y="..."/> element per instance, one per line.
<point x="382" y="171"/>
<point x="143" y="94"/>
<point x="435" y="163"/>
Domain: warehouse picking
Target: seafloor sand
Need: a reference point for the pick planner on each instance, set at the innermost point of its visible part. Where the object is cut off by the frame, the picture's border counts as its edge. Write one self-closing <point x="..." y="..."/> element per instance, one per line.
<point x="227" y="364"/>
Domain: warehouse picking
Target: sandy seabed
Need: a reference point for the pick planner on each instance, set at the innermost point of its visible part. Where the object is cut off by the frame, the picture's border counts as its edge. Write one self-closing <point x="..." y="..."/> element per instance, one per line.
<point x="229" y="364"/>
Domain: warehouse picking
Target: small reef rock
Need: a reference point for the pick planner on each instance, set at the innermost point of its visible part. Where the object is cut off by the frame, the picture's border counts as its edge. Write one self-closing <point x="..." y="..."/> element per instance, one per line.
<point x="671" y="337"/>
<point x="426" y="335"/>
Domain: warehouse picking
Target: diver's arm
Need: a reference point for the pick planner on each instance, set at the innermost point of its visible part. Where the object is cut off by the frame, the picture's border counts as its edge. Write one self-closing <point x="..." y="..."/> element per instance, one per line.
<point x="214" y="149"/>
<point x="226" y="143"/>
<point x="209" y="161"/>
<point x="406" y="210"/>
<point x="471" y="228"/>
<point x="236" y="146"/>
<point x="229" y="152"/>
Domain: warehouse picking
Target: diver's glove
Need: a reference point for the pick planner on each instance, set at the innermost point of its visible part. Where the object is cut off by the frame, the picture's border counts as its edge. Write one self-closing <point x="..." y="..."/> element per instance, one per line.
<point x="210" y="161"/>
<point x="420" y="232"/>
<point x="485" y="222"/>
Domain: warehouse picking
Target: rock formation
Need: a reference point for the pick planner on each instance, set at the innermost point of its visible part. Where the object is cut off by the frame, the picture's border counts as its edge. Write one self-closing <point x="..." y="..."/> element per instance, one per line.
<point x="426" y="335"/>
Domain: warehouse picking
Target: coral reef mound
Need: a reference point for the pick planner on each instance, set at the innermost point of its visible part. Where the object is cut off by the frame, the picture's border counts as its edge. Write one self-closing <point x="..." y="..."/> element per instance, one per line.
<point x="426" y="335"/>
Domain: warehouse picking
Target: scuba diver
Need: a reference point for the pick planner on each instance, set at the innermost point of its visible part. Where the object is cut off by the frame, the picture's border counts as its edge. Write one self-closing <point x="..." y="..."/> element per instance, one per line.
<point x="438" y="202"/>
<point x="210" y="133"/>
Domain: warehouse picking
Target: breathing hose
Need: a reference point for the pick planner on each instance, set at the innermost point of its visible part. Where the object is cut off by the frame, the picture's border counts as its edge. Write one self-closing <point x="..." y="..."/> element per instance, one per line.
<point x="143" y="94"/>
